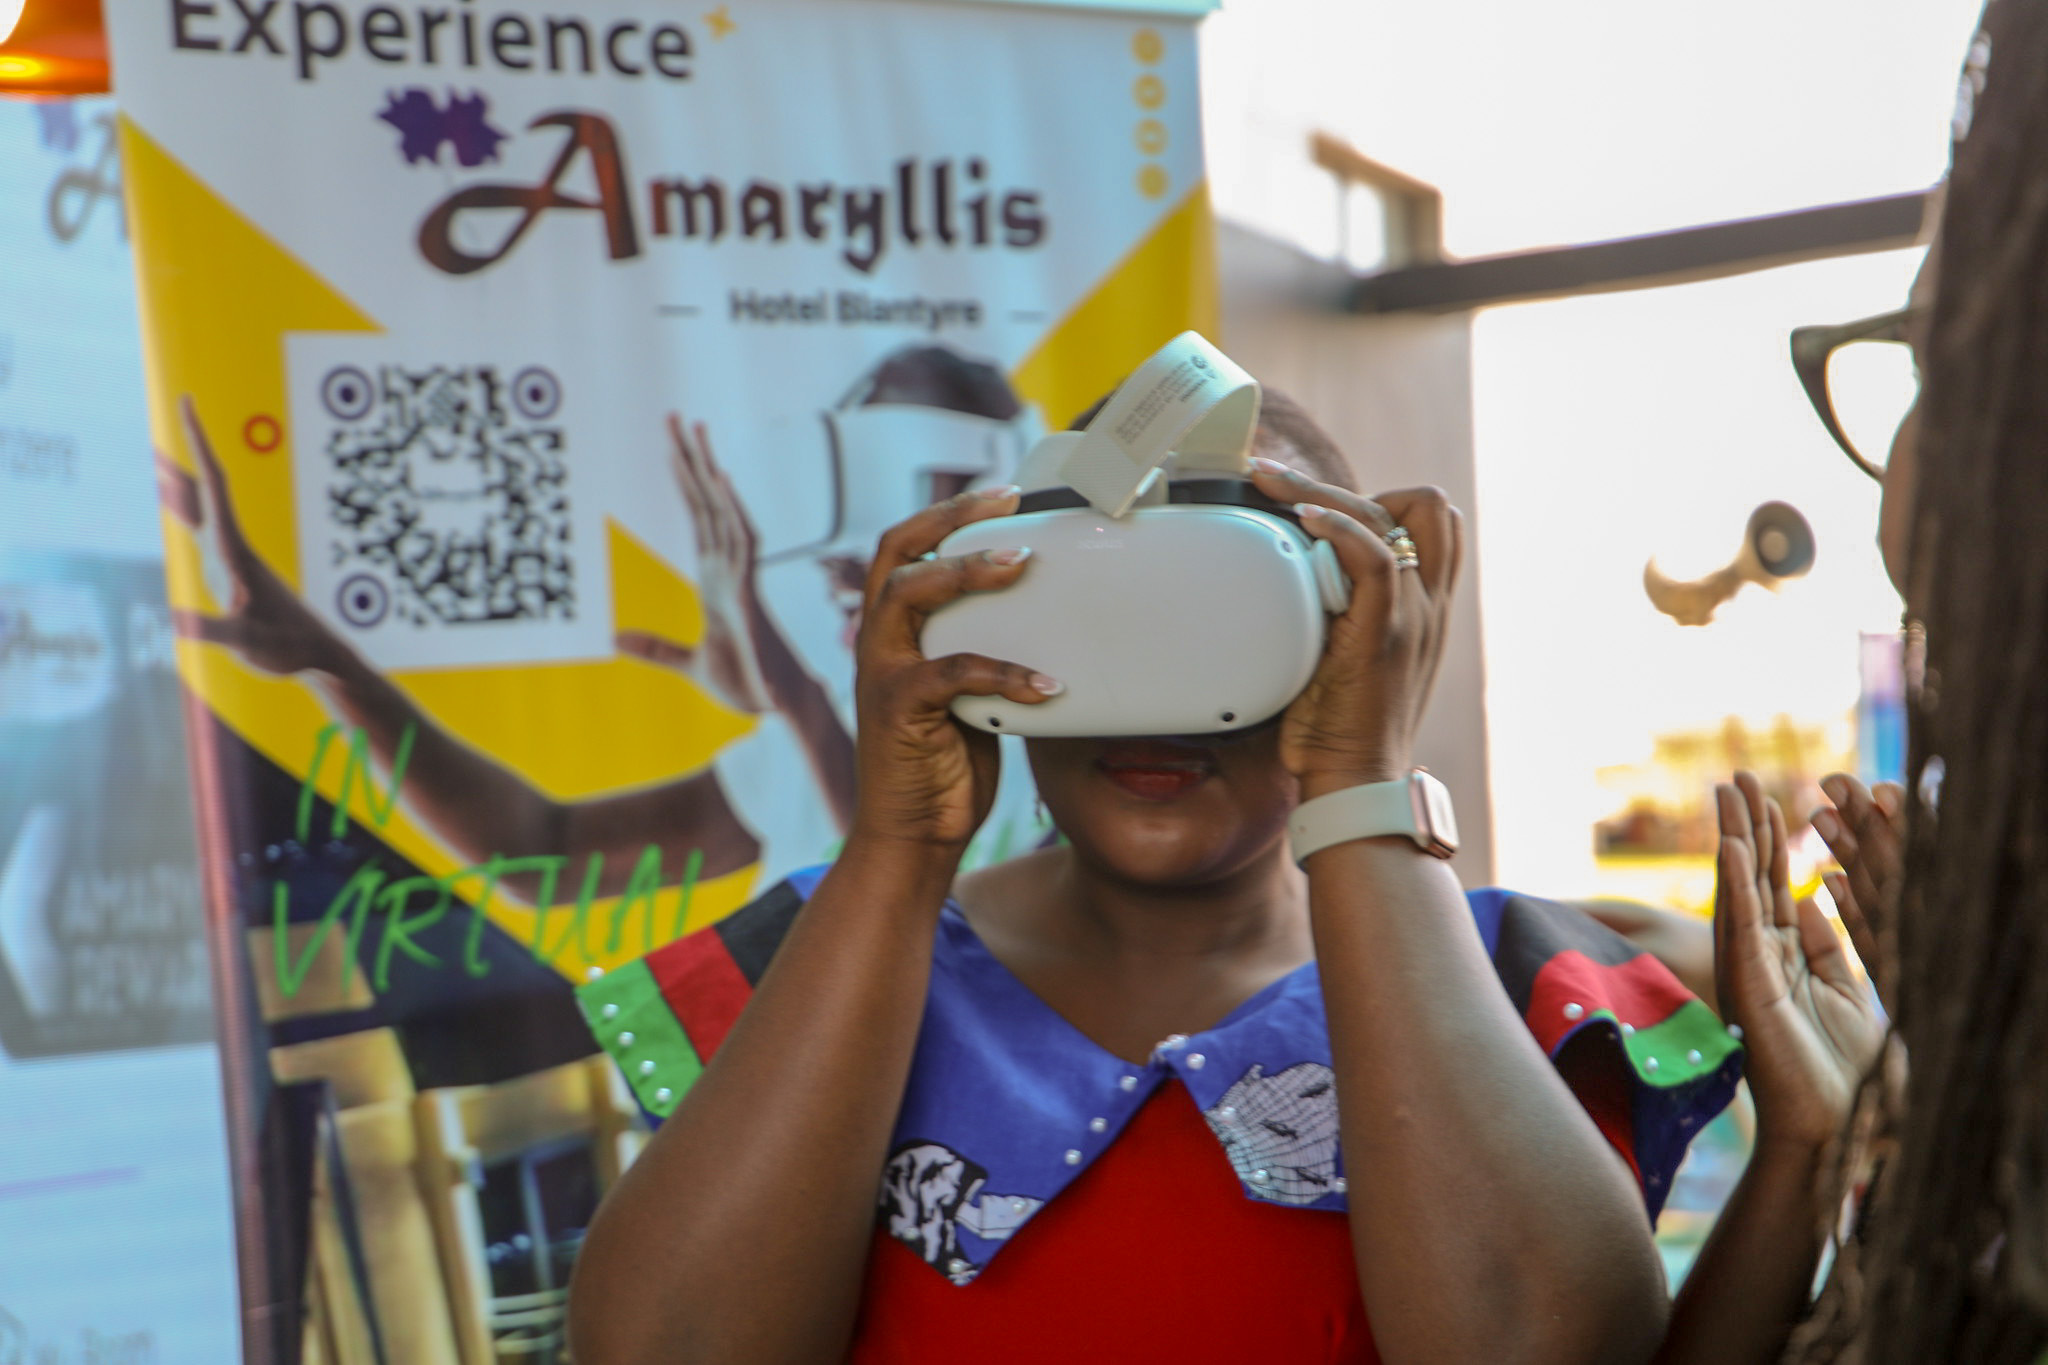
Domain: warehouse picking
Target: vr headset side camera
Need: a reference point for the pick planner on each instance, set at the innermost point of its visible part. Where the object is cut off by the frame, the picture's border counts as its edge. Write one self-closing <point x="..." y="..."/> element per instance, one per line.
<point x="1165" y="590"/>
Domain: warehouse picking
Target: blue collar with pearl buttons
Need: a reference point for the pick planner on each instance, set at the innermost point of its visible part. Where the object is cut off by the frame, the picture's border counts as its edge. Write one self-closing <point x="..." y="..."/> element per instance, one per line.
<point x="1007" y="1102"/>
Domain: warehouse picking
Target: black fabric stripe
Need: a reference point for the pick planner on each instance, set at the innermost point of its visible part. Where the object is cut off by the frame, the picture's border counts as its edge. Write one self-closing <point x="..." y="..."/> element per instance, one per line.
<point x="1534" y="931"/>
<point x="753" y="932"/>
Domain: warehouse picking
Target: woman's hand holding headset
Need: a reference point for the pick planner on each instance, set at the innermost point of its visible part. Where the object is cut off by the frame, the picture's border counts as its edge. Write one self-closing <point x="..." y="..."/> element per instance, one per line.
<point x="925" y="779"/>
<point x="1355" y="721"/>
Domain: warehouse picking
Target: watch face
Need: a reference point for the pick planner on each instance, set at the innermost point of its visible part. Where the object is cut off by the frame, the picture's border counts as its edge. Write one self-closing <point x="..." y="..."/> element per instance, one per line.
<point x="1434" y="818"/>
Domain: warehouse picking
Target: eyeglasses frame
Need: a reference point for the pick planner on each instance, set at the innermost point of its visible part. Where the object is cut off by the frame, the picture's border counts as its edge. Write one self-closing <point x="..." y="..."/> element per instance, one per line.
<point x="1812" y="347"/>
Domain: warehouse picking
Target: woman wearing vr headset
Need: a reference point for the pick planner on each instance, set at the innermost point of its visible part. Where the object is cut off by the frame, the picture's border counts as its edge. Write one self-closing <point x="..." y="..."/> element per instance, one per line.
<point x="1097" y="1084"/>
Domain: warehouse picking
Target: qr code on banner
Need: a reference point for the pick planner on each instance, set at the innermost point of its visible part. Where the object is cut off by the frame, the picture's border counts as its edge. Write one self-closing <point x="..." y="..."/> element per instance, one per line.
<point x="440" y="516"/>
<point x="449" y="493"/>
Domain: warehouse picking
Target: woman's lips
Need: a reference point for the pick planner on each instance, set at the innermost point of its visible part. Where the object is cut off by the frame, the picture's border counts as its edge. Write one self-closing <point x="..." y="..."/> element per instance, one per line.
<point x="1156" y="770"/>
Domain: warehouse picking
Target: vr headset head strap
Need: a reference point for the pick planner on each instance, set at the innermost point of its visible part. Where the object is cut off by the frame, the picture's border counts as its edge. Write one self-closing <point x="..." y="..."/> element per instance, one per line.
<point x="1189" y="401"/>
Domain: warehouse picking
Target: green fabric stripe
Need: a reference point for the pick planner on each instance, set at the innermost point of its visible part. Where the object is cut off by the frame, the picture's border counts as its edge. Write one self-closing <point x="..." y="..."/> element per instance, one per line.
<point x="1692" y="1030"/>
<point x="658" y="1062"/>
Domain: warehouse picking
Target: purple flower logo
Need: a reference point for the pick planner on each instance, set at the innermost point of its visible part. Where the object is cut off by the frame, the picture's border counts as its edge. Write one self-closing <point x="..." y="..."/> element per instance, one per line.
<point x="425" y="125"/>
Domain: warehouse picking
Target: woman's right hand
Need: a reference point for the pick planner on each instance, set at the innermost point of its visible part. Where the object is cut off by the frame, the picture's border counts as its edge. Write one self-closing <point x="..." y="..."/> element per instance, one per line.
<point x="925" y="778"/>
<point x="1783" y="976"/>
<point x="262" y="619"/>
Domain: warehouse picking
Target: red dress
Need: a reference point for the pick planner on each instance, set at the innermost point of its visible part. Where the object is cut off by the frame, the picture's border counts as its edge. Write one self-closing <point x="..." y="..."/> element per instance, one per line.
<point x="1153" y="1254"/>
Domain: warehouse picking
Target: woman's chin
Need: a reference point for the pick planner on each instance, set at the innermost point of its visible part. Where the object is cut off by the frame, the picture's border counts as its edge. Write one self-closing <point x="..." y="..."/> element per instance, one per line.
<point x="1165" y="850"/>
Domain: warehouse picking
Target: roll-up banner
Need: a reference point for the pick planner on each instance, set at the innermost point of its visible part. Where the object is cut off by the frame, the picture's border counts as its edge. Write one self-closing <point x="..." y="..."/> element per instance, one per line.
<point x="531" y="382"/>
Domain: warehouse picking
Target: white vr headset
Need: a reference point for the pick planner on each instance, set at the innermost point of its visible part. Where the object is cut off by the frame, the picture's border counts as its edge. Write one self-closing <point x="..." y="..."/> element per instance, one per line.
<point x="1167" y="593"/>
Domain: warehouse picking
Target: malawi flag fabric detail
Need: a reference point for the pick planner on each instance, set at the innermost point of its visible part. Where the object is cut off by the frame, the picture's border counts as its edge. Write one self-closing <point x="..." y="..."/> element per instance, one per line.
<point x="662" y="1017"/>
<point x="1577" y="982"/>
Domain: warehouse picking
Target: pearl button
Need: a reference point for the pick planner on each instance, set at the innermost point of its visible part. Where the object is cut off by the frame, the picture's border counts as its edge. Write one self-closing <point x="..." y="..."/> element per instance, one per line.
<point x="611" y="1011"/>
<point x="1227" y="1112"/>
<point x="1019" y="1205"/>
<point x="1196" y="1061"/>
<point x="664" y="1095"/>
<point x="1340" y="1184"/>
<point x="647" y="1068"/>
<point x="593" y="973"/>
<point x="1172" y="1042"/>
<point x="1073" y="1156"/>
<point x="627" y="1039"/>
<point x="1628" y="1030"/>
<point x="1649" y="1063"/>
<point x="1735" y="1032"/>
<point x="1260" y="1177"/>
<point x="1693" y="1057"/>
<point x="956" y="1266"/>
<point x="1574" y="1010"/>
<point x="1128" y="1083"/>
<point x="1098" y="1125"/>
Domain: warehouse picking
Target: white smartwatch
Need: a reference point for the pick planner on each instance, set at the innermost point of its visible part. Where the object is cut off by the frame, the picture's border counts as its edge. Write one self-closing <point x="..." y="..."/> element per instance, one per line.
<point x="1417" y="805"/>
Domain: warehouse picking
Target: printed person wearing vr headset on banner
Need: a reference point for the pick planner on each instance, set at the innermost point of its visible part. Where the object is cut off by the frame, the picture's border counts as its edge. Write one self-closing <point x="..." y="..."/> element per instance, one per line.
<point x="921" y="424"/>
<point x="1098" y="1085"/>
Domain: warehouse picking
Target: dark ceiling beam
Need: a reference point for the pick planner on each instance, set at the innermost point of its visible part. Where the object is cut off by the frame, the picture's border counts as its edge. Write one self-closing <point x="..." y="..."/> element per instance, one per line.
<point x="1699" y="253"/>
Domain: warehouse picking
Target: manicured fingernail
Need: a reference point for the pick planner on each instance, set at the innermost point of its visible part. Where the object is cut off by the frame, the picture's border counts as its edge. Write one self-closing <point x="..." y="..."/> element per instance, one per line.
<point x="1308" y="511"/>
<point x="1825" y="824"/>
<point x="1051" y="687"/>
<point x="1836" y="788"/>
<point x="1008" y="490"/>
<point x="1266" y="466"/>
<point x="1015" y="555"/>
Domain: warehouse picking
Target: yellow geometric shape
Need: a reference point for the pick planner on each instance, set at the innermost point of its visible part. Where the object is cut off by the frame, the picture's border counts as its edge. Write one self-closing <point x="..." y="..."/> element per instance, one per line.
<point x="1149" y="91"/>
<point x="1164" y="286"/>
<point x="1147" y="46"/>
<point x="1153" y="181"/>
<point x="1151" y="136"/>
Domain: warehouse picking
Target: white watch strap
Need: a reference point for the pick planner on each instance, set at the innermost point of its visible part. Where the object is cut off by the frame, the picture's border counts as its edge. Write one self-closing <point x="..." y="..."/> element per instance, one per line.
<point x="1369" y="811"/>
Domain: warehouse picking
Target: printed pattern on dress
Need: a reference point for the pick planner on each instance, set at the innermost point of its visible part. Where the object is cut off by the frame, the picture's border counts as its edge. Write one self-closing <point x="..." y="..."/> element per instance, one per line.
<point x="1280" y="1131"/>
<point x="931" y="1192"/>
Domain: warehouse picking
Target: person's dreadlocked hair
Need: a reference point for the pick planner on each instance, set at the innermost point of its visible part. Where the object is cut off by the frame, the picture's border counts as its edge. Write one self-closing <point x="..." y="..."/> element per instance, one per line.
<point x="1950" y="1258"/>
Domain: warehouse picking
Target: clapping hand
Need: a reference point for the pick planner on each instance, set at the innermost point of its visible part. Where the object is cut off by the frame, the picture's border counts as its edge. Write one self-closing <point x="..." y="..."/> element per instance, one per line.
<point x="1865" y="831"/>
<point x="1783" y="976"/>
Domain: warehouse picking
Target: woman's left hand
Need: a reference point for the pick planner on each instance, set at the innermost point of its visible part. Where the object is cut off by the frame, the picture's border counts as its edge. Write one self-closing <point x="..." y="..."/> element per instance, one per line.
<point x="1809" y="1024"/>
<point x="1355" y="721"/>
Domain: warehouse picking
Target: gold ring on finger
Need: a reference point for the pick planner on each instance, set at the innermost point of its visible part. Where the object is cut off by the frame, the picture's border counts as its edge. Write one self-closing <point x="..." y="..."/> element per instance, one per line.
<point x="1403" y="545"/>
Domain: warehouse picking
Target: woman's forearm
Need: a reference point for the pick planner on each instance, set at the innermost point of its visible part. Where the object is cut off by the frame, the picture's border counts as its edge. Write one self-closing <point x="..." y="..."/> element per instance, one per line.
<point x="1750" y="1284"/>
<point x="1491" y="1220"/>
<point x="741" y="1234"/>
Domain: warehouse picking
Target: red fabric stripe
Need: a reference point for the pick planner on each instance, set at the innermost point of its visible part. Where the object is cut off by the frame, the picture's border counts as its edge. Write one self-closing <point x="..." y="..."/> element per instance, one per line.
<point x="1603" y="1082"/>
<point x="703" y="986"/>
<point x="1641" y="992"/>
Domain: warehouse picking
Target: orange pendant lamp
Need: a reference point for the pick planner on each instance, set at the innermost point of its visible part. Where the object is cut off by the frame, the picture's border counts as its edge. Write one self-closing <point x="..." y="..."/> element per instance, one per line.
<point x="52" y="47"/>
